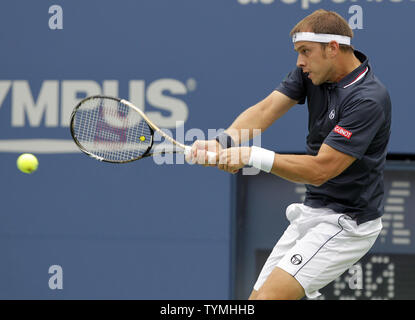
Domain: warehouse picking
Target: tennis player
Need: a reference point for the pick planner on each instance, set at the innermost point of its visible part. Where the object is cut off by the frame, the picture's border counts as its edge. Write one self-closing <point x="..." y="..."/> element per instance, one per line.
<point x="349" y="128"/>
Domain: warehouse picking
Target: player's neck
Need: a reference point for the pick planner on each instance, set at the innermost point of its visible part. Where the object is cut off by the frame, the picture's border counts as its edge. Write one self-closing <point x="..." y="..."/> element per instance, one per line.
<point x="346" y="65"/>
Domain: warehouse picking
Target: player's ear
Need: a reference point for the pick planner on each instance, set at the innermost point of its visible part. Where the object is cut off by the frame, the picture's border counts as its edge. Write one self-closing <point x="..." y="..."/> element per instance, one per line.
<point x="333" y="48"/>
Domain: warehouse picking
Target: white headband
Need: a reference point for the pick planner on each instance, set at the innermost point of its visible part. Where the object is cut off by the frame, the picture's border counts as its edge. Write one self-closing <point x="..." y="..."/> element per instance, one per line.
<point x="321" y="37"/>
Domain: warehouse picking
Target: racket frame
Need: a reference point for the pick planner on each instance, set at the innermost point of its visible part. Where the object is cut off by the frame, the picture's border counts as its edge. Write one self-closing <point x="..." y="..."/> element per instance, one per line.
<point x="152" y="126"/>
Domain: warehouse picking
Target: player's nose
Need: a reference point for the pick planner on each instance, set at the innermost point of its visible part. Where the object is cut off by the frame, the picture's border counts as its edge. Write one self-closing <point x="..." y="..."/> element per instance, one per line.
<point x="300" y="62"/>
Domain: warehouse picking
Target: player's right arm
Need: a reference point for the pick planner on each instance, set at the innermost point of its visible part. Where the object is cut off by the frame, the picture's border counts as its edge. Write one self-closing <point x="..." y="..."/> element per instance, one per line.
<point x="259" y="117"/>
<point x="249" y="123"/>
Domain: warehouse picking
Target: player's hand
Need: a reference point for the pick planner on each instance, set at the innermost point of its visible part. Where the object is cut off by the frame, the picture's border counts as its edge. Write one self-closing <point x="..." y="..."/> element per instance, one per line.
<point x="233" y="159"/>
<point x="199" y="152"/>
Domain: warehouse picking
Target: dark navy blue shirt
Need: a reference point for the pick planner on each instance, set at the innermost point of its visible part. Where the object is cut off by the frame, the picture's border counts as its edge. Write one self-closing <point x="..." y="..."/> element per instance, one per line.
<point x="352" y="116"/>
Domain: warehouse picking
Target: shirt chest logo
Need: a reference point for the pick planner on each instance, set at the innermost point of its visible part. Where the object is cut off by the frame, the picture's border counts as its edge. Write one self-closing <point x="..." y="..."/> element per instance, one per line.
<point x="332" y="114"/>
<point x="345" y="133"/>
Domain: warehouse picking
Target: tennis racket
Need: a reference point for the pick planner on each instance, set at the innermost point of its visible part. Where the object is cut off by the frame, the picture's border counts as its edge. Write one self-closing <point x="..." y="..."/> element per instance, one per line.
<point x="114" y="130"/>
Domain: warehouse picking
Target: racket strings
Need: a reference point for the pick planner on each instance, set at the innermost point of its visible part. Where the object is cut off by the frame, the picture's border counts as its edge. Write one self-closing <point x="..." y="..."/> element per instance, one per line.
<point x="111" y="130"/>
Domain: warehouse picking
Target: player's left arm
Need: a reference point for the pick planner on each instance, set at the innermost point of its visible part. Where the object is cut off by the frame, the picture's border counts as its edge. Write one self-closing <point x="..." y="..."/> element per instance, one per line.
<point x="315" y="170"/>
<point x="307" y="169"/>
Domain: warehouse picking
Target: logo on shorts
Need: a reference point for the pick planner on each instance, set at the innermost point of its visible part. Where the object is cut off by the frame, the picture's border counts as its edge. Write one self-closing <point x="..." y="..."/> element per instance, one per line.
<point x="296" y="259"/>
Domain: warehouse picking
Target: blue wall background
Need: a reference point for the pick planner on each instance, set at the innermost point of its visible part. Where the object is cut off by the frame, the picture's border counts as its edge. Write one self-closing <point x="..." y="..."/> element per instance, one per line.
<point x="143" y="231"/>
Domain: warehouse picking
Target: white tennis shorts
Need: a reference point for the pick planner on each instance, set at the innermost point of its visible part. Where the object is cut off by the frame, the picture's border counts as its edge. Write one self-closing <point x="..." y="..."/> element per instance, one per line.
<point x="318" y="246"/>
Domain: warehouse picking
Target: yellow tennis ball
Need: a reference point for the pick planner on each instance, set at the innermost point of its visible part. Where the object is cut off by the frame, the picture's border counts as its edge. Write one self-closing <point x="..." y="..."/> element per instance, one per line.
<point x="142" y="138"/>
<point x="27" y="163"/>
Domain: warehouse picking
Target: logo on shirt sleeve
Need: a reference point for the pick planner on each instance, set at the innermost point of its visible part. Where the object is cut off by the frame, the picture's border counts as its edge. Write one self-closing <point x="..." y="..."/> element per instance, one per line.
<point x="345" y="133"/>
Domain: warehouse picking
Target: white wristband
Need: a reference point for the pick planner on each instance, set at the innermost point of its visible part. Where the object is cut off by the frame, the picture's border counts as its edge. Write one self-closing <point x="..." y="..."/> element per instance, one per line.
<point x="262" y="159"/>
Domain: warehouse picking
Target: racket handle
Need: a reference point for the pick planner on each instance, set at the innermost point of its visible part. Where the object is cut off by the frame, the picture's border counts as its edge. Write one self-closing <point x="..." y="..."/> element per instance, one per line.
<point x="211" y="155"/>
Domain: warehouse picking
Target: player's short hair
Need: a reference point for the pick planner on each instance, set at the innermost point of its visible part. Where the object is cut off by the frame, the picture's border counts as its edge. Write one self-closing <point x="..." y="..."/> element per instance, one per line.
<point x="323" y="21"/>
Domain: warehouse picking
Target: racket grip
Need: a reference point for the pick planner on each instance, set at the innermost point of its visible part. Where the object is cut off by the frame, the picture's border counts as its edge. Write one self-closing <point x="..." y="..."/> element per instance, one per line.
<point x="211" y="155"/>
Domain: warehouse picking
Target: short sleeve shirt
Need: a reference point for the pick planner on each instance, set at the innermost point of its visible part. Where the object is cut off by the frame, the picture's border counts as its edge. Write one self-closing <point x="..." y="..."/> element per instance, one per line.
<point x="352" y="116"/>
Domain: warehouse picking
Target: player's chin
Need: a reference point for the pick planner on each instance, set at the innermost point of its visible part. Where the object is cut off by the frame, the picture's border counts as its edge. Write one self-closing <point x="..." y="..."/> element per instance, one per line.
<point x="316" y="82"/>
